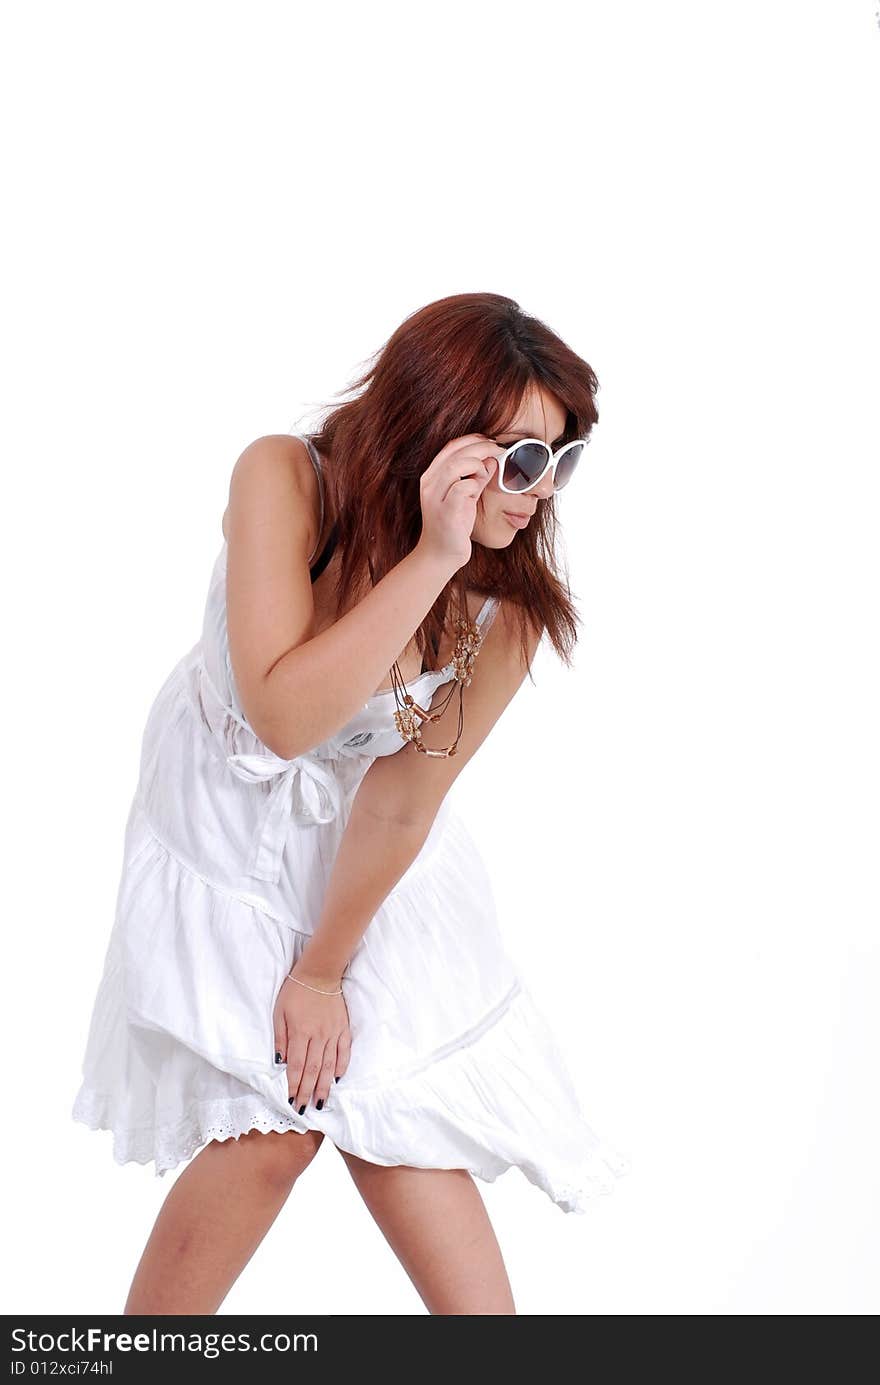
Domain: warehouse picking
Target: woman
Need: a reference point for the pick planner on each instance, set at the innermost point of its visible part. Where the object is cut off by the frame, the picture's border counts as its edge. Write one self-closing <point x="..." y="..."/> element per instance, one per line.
<point x="305" y="942"/>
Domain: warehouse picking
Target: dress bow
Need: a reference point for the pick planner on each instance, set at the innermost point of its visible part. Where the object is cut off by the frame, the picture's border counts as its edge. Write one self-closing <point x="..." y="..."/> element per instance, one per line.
<point x="303" y="790"/>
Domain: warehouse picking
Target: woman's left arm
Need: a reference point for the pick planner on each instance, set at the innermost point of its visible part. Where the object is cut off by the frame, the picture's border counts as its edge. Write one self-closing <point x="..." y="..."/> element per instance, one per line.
<point x="399" y="796"/>
<point x="391" y="816"/>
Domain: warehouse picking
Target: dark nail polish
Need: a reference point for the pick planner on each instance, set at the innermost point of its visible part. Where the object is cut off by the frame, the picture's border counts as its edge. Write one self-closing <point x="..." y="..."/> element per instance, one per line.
<point x="337" y="1079"/>
<point x="320" y="1104"/>
<point x="278" y="1058"/>
<point x="290" y="1101"/>
<point x="302" y="1110"/>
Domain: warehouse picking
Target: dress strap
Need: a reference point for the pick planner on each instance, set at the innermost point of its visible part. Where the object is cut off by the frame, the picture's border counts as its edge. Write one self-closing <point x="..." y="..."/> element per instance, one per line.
<point x="316" y="566"/>
<point x="486" y="613"/>
<point x="316" y="463"/>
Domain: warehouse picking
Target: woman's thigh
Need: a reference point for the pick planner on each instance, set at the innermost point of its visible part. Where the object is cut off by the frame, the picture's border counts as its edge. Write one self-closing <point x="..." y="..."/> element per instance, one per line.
<point x="271" y="1157"/>
<point x="214" y="1217"/>
<point x="437" y="1225"/>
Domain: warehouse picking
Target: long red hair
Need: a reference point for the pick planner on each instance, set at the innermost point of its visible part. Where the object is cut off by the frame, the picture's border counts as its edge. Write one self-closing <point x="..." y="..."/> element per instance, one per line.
<point x="459" y="365"/>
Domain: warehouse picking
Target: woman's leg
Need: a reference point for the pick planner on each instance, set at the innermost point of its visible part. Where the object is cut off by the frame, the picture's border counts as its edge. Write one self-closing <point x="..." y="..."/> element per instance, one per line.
<point x="214" y="1217"/>
<point x="437" y="1225"/>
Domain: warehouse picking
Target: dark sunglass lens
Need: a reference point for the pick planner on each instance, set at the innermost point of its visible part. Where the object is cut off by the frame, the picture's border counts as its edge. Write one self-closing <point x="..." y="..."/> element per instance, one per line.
<point x="524" y="465"/>
<point x="567" y="465"/>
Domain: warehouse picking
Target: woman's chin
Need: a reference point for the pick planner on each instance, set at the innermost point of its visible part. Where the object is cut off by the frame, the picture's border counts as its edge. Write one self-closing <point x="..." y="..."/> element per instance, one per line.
<point x="497" y="535"/>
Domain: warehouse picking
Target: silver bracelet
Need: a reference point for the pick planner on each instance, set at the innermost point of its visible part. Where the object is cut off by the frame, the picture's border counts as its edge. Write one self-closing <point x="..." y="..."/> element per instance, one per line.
<point x="290" y="977"/>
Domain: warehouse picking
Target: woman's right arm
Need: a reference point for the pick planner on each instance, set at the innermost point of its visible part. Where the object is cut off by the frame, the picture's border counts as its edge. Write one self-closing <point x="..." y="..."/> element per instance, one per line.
<point x="297" y="688"/>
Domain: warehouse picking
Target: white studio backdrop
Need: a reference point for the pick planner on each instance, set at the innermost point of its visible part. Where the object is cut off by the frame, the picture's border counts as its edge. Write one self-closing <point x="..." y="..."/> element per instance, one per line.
<point x="216" y="214"/>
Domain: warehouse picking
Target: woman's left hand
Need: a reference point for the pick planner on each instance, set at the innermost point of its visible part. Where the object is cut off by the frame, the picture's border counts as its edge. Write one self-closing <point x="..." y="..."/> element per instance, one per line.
<point x="312" y="1034"/>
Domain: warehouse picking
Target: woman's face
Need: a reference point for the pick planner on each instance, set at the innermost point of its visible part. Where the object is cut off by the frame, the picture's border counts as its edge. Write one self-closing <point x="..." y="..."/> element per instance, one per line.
<point x="541" y="415"/>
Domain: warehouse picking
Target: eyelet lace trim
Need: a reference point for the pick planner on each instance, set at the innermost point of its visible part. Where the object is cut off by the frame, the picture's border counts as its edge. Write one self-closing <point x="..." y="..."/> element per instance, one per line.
<point x="170" y="1145"/>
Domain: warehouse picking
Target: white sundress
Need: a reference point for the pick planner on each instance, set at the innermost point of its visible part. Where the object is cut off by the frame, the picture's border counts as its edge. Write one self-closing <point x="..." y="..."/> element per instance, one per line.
<point x="227" y="853"/>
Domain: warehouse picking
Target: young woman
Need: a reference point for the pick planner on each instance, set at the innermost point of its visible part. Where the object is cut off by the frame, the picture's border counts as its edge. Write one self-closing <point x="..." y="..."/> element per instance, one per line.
<point x="305" y="943"/>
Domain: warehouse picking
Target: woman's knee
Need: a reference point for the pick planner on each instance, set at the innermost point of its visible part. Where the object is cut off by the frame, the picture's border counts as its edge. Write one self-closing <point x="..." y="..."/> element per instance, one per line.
<point x="277" y="1157"/>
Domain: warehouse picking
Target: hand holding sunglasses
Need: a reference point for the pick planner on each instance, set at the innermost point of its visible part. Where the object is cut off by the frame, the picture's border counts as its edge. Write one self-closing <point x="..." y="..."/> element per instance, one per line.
<point x="449" y="491"/>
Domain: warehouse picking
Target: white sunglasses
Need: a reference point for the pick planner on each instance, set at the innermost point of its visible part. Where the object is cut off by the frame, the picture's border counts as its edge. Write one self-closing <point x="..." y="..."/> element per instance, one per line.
<point x="524" y="464"/>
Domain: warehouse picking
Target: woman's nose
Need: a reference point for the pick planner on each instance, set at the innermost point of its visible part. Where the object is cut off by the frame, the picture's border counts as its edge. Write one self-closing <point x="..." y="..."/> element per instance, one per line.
<point x="544" y="488"/>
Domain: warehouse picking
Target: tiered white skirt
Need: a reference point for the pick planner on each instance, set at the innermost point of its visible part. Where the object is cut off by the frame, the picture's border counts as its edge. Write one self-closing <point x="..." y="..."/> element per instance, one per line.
<point x="452" y="1064"/>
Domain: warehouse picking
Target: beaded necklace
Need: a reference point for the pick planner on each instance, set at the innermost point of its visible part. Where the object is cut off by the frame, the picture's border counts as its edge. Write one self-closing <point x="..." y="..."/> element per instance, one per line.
<point x="409" y="715"/>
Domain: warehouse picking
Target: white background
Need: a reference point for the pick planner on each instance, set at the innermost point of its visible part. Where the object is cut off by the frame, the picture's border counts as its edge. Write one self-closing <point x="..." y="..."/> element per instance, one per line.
<point x="215" y="214"/>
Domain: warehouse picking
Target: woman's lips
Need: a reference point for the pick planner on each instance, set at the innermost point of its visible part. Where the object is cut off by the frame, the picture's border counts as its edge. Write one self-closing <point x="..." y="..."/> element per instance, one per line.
<point x="518" y="521"/>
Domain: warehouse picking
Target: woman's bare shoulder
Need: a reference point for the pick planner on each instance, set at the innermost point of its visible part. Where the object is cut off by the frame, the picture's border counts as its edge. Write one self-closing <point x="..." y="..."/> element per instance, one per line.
<point x="508" y="620"/>
<point x="266" y="471"/>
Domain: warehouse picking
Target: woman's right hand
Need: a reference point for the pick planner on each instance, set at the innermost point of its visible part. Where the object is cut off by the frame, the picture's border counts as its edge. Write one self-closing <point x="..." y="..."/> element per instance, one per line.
<point x="313" y="1037"/>
<point x="449" y="491"/>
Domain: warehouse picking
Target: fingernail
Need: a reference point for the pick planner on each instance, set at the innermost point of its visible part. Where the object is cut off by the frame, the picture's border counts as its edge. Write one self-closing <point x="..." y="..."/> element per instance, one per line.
<point x="302" y="1109"/>
<point x="337" y="1079"/>
<point x="278" y="1058"/>
<point x="320" y="1104"/>
<point x="290" y="1101"/>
